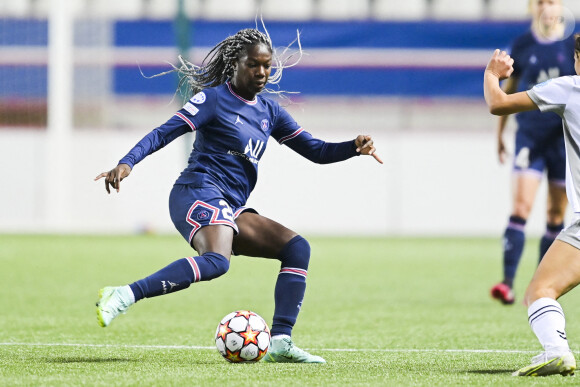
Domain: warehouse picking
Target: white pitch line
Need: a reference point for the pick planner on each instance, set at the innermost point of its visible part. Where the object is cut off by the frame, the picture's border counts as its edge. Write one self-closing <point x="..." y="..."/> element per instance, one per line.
<point x="392" y="350"/>
<point x="106" y="345"/>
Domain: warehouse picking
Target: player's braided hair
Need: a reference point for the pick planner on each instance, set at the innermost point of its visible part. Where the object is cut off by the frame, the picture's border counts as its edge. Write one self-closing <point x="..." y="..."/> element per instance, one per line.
<point x="218" y="65"/>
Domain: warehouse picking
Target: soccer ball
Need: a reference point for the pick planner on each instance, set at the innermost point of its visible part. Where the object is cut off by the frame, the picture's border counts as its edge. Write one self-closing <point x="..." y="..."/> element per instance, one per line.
<point x="242" y="336"/>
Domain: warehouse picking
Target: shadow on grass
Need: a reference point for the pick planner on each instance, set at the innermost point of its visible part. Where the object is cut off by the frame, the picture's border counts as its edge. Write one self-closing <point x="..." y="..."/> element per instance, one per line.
<point x="490" y="372"/>
<point x="69" y="360"/>
<point x="64" y="360"/>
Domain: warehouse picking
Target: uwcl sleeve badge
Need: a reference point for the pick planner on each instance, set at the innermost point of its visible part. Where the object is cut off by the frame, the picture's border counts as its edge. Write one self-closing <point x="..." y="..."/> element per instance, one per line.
<point x="199" y="98"/>
<point x="265" y="125"/>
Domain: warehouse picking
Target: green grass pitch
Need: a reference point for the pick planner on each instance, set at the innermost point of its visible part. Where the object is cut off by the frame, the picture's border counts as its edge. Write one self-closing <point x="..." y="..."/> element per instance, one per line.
<point x="382" y="311"/>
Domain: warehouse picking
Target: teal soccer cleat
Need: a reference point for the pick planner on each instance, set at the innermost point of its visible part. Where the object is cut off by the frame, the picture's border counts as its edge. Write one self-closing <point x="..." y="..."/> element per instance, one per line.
<point x="113" y="301"/>
<point x="283" y="350"/>
<point x="549" y="363"/>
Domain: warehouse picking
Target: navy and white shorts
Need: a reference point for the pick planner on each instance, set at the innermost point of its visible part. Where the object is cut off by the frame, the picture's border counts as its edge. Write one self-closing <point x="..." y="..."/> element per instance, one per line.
<point x="536" y="156"/>
<point x="192" y="208"/>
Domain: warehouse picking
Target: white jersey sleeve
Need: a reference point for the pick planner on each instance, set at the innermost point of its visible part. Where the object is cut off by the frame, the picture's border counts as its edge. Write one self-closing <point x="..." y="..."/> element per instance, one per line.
<point x="553" y="95"/>
<point x="562" y="96"/>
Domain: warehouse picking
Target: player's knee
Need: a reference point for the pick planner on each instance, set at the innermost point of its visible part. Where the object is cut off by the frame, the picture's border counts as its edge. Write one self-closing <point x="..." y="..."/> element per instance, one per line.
<point x="522" y="209"/>
<point x="220" y="264"/>
<point x="296" y="253"/>
<point x="555" y="215"/>
<point x="536" y="290"/>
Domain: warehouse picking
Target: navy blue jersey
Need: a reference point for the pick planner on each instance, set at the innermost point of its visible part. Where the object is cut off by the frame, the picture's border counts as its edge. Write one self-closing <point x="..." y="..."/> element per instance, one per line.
<point x="536" y="62"/>
<point x="231" y="137"/>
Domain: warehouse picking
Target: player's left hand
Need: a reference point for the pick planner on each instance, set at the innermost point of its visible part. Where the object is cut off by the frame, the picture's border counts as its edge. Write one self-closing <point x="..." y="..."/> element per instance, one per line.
<point x="500" y="64"/>
<point x="364" y="145"/>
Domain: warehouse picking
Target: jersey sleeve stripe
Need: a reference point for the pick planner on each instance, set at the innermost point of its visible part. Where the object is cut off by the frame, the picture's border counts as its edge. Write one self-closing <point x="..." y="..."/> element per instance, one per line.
<point x="290" y="136"/>
<point x="187" y="121"/>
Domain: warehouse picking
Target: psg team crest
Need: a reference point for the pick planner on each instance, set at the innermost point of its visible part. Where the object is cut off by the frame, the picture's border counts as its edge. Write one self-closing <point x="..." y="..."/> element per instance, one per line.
<point x="265" y="124"/>
<point x="203" y="215"/>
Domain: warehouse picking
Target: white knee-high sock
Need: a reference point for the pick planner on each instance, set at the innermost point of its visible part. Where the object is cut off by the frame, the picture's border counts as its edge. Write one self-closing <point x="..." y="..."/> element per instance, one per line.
<point x="547" y="320"/>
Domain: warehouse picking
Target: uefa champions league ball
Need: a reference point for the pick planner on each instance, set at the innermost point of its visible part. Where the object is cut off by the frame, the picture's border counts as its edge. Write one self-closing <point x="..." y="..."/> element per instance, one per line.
<point x="242" y="336"/>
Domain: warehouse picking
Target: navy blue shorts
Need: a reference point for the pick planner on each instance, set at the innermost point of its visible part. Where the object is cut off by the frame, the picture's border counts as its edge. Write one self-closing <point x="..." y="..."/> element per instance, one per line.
<point x="536" y="156"/>
<point x="192" y="208"/>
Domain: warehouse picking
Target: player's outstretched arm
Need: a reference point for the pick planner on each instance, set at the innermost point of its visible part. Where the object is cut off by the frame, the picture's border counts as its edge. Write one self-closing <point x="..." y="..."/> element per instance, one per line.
<point x="510" y="86"/>
<point x="364" y="145"/>
<point x="500" y="67"/>
<point x="114" y="177"/>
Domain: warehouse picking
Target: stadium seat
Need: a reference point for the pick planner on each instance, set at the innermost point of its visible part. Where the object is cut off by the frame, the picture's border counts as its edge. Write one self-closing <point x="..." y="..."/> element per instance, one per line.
<point x="15" y="8"/>
<point x="509" y="10"/>
<point x="574" y="6"/>
<point x="459" y="10"/>
<point x="399" y="10"/>
<point x="230" y="9"/>
<point x="115" y="9"/>
<point x="160" y="9"/>
<point x="284" y="9"/>
<point x="194" y="9"/>
<point x="343" y="9"/>
<point x="40" y="8"/>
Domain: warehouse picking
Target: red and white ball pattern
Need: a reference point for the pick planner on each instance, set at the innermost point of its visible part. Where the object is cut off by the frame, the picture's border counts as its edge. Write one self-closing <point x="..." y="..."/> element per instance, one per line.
<point x="242" y="336"/>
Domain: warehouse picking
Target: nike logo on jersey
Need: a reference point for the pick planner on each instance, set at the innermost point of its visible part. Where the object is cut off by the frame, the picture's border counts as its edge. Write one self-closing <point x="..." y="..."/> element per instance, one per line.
<point x="238" y="121"/>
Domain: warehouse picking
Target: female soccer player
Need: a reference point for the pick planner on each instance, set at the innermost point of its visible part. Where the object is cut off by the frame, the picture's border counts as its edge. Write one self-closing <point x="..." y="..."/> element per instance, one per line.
<point x="541" y="53"/>
<point x="232" y="122"/>
<point x="559" y="271"/>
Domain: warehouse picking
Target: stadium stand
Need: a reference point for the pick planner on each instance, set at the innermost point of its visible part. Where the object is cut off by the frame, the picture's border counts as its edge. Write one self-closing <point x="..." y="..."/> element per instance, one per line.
<point x="508" y="10"/>
<point x="163" y="9"/>
<point x="126" y="9"/>
<point x="394" y="10"/>
<point x="16" y="8"/>
<point x="229" y="10"/>
<point x="574" y="6"/>
<point x="292" y="10"/>
<point x="464" y="10"/>
<point x="343" y="9"/>
<point x="458" y="10"/>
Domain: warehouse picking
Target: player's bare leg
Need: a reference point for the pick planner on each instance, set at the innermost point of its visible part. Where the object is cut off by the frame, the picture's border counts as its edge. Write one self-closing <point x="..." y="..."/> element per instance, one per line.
<point x="557" y="202"/>
<point x="263" y="237"/>
<point x="558" y="273"/>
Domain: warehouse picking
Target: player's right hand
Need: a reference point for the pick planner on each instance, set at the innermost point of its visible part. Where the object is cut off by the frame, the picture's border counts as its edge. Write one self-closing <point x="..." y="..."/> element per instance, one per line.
<point x="500" y="64"/>
<point x="114" y="177"/>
